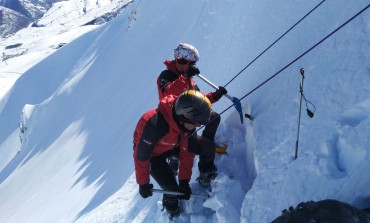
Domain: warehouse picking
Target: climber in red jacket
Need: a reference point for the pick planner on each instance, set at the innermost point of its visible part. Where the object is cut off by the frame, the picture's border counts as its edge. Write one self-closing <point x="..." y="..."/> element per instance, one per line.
<point x="177" y="78"/>
<point x="167" y="130"/>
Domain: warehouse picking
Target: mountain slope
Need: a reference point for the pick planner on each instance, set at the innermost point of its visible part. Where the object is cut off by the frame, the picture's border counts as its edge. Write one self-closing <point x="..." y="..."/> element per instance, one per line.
<point x="12" y="21"/>
<point x="20" y="13"/>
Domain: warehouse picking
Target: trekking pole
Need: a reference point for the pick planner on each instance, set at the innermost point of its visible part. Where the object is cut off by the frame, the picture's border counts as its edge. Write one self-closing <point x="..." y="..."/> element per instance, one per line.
<point x="299" y="111"/>
<point x="235" y="100"/>
<point x="176" y="193"/>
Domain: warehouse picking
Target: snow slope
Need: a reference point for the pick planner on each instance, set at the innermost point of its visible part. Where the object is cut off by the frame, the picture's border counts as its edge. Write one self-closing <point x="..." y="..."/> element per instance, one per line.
<point x="78" y="108"/>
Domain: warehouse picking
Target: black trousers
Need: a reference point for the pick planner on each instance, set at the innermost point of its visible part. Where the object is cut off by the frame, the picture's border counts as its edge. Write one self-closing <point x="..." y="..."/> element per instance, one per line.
<point x="162" y="173"/>
<point x="203" y="146"/>
<point x="210" y="129"/>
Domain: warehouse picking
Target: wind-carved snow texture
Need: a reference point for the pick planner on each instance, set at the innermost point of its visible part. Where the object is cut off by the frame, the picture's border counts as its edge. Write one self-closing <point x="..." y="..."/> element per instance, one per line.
<point x="346" y="143"/>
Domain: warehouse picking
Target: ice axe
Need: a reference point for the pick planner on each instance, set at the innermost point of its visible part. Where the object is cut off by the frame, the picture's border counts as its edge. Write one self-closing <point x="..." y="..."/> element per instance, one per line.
<point x="235" y="100"/>
<point x="176" y="193"/>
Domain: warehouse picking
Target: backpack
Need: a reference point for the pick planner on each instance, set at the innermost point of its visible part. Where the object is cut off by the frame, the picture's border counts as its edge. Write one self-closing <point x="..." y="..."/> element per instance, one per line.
<point x="325" y="211"/>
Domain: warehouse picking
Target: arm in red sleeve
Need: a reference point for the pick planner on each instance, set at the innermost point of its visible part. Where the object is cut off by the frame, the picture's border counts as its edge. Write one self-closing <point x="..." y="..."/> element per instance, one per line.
<point x="145" y="139"/>
<point x="210" y="97"/>
<point x="170" y="83"/>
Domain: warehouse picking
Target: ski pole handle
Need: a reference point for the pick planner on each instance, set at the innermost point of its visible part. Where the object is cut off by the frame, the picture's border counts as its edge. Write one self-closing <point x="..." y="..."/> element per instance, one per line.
<point x="302" y="72"/>
<point x="176" y="193"/>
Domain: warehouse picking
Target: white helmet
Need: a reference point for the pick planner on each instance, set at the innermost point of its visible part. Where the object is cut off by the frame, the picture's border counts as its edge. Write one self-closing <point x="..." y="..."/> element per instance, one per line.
<point x="186" y="51"/>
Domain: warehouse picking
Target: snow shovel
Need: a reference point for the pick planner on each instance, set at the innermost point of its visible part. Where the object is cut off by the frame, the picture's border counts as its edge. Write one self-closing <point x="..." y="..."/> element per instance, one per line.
<point x="235" y="100"/>
<point x="178" y="193"/>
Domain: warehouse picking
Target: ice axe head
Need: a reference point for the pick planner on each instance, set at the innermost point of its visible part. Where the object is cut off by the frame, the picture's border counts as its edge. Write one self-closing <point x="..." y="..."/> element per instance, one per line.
<point x="238" y="107"/>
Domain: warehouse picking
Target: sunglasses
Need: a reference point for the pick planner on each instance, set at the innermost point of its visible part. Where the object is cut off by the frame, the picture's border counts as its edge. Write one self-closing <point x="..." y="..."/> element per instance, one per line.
<point x="184" y="61"/>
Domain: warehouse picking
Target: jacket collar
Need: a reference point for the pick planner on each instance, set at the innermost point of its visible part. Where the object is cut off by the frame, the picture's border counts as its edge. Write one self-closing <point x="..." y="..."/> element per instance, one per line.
<point x="171" y="66"/>
<point x="166" y="108"/>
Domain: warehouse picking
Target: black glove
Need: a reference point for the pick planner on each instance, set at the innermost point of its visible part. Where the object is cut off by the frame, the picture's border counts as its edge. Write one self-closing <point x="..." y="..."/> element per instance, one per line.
<point x="192" y="71"/>
<point x="185" y="189"/>
<point x="219" y="93"/>
<point x="145" y="190"/>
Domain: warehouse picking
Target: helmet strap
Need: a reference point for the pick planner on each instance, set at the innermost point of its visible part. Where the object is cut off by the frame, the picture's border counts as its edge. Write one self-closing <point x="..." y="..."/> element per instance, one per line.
<point x="179" y="120"/>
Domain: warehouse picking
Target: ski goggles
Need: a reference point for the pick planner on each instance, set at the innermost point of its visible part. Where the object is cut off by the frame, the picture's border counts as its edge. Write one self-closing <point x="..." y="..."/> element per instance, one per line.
<point x="194" y="123"/>
<point x="185" y="119"/>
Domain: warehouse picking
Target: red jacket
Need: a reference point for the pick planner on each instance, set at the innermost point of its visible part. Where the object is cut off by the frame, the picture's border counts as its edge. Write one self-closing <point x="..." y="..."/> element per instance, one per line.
<point x="156" y="133"/>
<point x="170" y="81"/>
